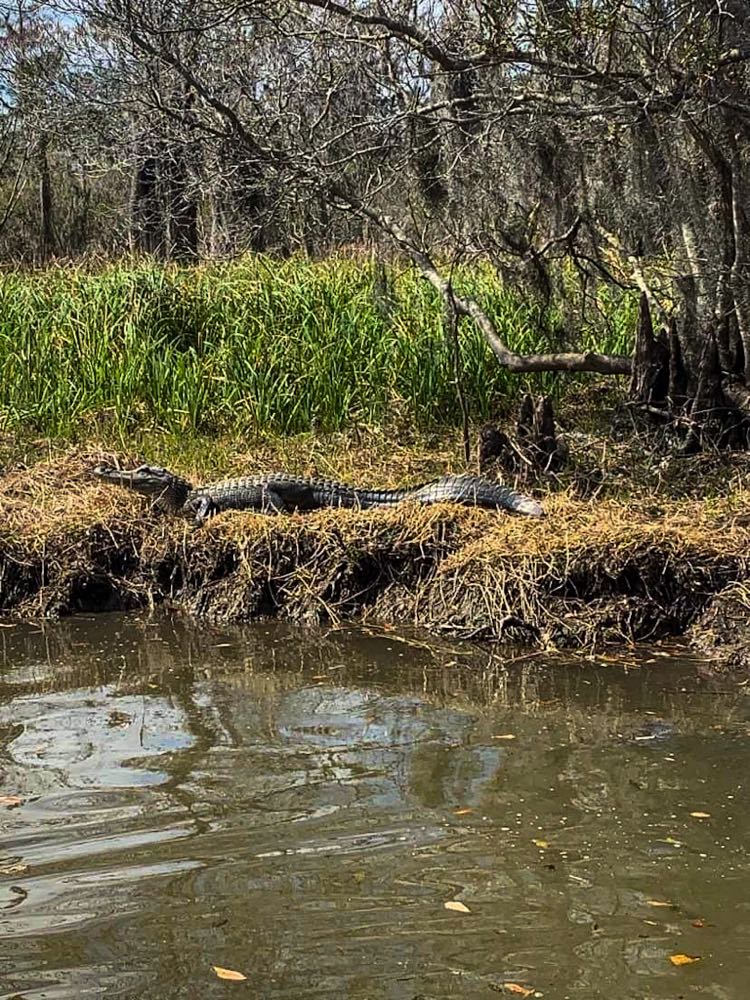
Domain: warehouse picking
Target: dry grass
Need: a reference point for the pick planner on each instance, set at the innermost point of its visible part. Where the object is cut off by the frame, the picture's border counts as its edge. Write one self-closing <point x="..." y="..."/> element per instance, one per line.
<point x="593" y="571"/>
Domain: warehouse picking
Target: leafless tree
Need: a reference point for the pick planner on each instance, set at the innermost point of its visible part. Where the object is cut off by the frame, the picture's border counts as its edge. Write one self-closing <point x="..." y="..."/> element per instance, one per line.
<point x="610" y="138"/>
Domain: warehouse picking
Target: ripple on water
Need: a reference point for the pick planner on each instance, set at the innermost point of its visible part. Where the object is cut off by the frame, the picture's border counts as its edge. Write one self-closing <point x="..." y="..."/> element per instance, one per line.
<point x="300" y="807"/>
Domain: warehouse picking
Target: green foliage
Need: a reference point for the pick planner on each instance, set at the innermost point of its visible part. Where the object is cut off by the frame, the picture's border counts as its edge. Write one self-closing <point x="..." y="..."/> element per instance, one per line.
<point x="257" y="345"/>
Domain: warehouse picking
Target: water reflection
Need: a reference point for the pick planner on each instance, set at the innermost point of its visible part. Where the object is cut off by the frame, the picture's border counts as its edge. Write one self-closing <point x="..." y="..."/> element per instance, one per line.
<point x="300" y="806"/>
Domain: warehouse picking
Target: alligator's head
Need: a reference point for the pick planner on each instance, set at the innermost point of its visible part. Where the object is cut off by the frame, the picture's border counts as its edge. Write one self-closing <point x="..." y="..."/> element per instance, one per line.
<point x="160" y="485"/>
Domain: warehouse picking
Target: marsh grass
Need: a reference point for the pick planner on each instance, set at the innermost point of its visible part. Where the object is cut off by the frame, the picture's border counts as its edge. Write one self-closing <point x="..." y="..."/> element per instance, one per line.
<point x="260" y="346"/>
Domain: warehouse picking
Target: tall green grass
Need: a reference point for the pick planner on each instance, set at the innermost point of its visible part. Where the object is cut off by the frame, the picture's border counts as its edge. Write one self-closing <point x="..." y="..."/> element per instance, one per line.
<point x="256" y="345"/>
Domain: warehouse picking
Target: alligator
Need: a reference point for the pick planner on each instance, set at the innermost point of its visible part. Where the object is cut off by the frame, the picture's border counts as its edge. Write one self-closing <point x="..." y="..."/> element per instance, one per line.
<point x="275" y="493"/>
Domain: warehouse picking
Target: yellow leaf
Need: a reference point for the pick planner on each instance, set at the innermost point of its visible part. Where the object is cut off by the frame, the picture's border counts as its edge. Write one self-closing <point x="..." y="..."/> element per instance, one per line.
<point x="230" y="974"/>
<point x="658" y="902"/>
<point x="462" y="812"/>
<point x="684" y="959"/>
<point x="517" y="988"/>
<point x="14" y="869"/>
<point x="505" y="736"/>
<point x="701" y="815"/>
<point x="453" y="904"/>
<point x="541" y="843"/>
<point x="10" y="801"/>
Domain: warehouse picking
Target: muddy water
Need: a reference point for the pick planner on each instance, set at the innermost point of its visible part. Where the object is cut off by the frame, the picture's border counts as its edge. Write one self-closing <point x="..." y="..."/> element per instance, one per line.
<point x="300" y="806"/>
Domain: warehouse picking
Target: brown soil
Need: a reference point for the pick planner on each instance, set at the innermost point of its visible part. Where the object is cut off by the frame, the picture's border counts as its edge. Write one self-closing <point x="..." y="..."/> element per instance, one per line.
<point x="594" y="571"/>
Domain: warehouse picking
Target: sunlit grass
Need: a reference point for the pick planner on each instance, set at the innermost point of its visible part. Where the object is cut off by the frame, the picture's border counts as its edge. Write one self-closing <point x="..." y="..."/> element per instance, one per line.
<point x="259" y="345"/>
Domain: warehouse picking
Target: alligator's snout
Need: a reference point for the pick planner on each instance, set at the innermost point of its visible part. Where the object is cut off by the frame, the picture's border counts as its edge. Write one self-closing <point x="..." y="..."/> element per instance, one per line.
<point x="111" y="474"/>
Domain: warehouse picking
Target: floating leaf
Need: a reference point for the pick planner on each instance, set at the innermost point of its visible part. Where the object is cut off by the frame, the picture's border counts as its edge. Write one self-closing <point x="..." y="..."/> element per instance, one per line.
<point x="14" y="869"/>
<point x="456" y="906"/>
<point x="543" y="844"/>
<point x="11" y="801"/>
<point x="230" y="974"/>
<point x="116" y="718"/>
<point x="658" y="902"/>
<point x="684" y="959"/>
<point x="700" y="815"/>
<point x="522" y="991"/>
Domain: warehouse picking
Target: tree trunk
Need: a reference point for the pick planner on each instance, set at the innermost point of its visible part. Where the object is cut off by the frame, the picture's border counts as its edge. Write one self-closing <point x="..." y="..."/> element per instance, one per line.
<point x="649" y="382"/>
<point x="696" y="372"/>
<point x="46" y="205"/>
<point x="147" y="228"/>
<point x="182" y="219"/>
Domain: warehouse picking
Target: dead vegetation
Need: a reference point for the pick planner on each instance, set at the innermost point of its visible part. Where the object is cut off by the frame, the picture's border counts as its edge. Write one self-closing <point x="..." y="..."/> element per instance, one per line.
<point x="722" y="632"/>
<point x="594" y="571"/>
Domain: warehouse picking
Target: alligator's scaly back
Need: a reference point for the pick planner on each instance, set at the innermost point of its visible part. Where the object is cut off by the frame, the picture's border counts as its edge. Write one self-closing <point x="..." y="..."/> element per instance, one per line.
<point x="276" y="492"/>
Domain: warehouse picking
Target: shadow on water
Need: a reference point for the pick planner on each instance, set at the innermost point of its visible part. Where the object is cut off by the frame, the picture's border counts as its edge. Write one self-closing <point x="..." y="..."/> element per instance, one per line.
<point x="299" y="805"/>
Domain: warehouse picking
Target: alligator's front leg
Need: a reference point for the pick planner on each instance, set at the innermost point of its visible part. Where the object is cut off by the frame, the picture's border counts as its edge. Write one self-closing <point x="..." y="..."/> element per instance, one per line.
<point x="203" y="507"/>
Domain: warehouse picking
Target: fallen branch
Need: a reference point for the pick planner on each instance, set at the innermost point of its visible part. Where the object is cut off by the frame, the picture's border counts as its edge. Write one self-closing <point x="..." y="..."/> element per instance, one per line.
<point x="586" y="361"/>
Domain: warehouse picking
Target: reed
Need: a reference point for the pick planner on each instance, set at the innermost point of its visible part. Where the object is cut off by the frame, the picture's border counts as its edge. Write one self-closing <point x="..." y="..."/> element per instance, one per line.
<point x="258" y="345"/>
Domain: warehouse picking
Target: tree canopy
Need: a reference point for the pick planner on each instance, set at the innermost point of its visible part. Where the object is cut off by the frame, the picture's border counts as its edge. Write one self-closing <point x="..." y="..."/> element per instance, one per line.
<point x="610" y="136"/>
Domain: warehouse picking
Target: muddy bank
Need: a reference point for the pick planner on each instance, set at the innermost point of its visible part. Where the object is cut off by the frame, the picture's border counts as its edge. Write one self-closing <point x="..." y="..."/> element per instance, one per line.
<point x="592" y="572"/>
<point x="722" y="632"/>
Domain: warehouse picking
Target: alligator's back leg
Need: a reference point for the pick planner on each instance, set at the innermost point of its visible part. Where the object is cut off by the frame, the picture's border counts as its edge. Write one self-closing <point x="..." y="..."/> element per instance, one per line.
<point x="207" y="505"/>
<point x="272" y="502"/>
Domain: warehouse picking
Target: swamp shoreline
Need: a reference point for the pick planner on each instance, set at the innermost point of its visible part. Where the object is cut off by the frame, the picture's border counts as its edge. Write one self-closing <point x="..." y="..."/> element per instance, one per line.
<point x="593" y="572"/>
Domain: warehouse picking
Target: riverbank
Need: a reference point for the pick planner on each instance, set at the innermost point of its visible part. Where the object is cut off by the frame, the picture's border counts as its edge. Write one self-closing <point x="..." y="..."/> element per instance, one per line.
<point x="594" y="571"/>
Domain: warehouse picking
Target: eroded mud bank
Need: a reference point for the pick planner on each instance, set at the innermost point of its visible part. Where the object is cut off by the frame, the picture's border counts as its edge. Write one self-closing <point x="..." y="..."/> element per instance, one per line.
<point x="590" y="573"/>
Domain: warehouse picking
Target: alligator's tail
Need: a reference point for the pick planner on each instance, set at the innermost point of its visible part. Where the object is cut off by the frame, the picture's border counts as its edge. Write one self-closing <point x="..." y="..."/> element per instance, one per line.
<point x="473" y="491"/>
<point x="470" y="491"/>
